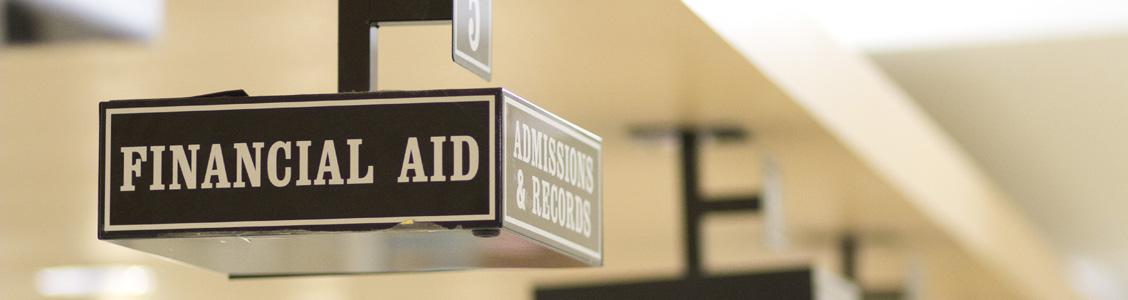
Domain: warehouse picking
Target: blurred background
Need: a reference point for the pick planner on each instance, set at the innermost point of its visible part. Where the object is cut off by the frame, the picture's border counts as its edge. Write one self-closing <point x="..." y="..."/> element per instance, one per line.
<point x="969" y="149"/>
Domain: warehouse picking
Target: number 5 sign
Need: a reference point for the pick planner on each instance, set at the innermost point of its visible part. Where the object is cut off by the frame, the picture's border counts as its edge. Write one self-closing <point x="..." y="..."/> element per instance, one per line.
<point x="471" y="41"/>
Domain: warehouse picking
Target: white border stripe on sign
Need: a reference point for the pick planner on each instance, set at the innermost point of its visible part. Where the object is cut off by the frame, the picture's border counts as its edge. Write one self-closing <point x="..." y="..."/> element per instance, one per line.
<point x="472" y="61"/>
<point x="558" y="239"/>
<point x="300" y="104"/>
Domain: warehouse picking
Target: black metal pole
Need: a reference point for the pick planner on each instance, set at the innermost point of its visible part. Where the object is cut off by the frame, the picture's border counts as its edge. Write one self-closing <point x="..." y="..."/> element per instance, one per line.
<point x="692" y="215"/>
<point x="355" y="19"/>
<point x="848" y="249"/>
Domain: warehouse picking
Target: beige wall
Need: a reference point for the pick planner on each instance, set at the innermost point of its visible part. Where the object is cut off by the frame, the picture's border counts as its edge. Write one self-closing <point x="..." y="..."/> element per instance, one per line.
<point x="607" y="65"/>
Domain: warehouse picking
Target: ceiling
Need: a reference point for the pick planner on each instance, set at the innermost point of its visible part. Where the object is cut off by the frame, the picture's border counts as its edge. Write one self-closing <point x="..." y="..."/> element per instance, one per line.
<point x="1034" y="91"/>
<point x="1046" y="120"/>
<point x="885" y="25"/>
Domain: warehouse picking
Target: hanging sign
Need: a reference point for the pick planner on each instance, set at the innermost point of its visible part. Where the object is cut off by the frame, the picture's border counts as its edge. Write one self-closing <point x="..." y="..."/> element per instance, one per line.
<point x="479" y="159"/>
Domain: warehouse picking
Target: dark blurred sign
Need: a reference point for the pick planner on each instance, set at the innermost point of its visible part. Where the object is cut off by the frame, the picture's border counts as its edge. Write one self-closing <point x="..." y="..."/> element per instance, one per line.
<point x="37" y="21"/>
<point x="799" y="283"/>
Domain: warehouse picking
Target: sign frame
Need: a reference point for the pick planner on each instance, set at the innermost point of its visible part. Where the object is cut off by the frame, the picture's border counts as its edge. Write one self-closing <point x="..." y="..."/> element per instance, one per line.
<point x="496" y="205"/>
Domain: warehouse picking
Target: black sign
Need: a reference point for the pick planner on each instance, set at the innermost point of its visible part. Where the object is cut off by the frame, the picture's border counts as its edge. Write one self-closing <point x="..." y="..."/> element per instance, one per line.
<point x="796" y="284"/>
<point x="335" y="162"/>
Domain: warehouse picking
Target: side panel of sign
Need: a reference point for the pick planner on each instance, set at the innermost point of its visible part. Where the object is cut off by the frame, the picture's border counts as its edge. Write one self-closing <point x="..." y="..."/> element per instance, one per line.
<point x="296" y="163"/>
<point x="472" y="36"/>
<point x="553" y="180"/>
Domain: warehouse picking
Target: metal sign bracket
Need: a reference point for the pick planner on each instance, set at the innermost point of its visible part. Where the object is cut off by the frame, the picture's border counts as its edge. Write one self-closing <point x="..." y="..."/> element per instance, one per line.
<point x="358" y="24"/>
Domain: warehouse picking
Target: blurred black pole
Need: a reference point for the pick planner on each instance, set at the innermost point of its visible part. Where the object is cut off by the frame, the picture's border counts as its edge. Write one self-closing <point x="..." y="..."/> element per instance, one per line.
<point x="691" y="213"/>
<point x="357" y="23"/>
<point x="848" y="250"/>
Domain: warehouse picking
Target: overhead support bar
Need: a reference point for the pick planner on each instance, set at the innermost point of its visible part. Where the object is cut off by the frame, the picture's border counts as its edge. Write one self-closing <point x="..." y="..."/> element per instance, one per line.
<point x="357" y="24"/>
<point x="725" y="204"/>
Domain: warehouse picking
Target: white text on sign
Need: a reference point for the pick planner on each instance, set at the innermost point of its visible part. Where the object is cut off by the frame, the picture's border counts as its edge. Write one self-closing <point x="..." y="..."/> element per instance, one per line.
<point x="563" y="205"/>
<point x="249" y="166"/>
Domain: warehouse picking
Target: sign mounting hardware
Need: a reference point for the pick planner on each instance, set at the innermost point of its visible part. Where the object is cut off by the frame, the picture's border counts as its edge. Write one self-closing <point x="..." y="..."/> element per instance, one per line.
<point x="359" y="22"/>
<point x="241" y="184"/>
<point x="367" y="182"/>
